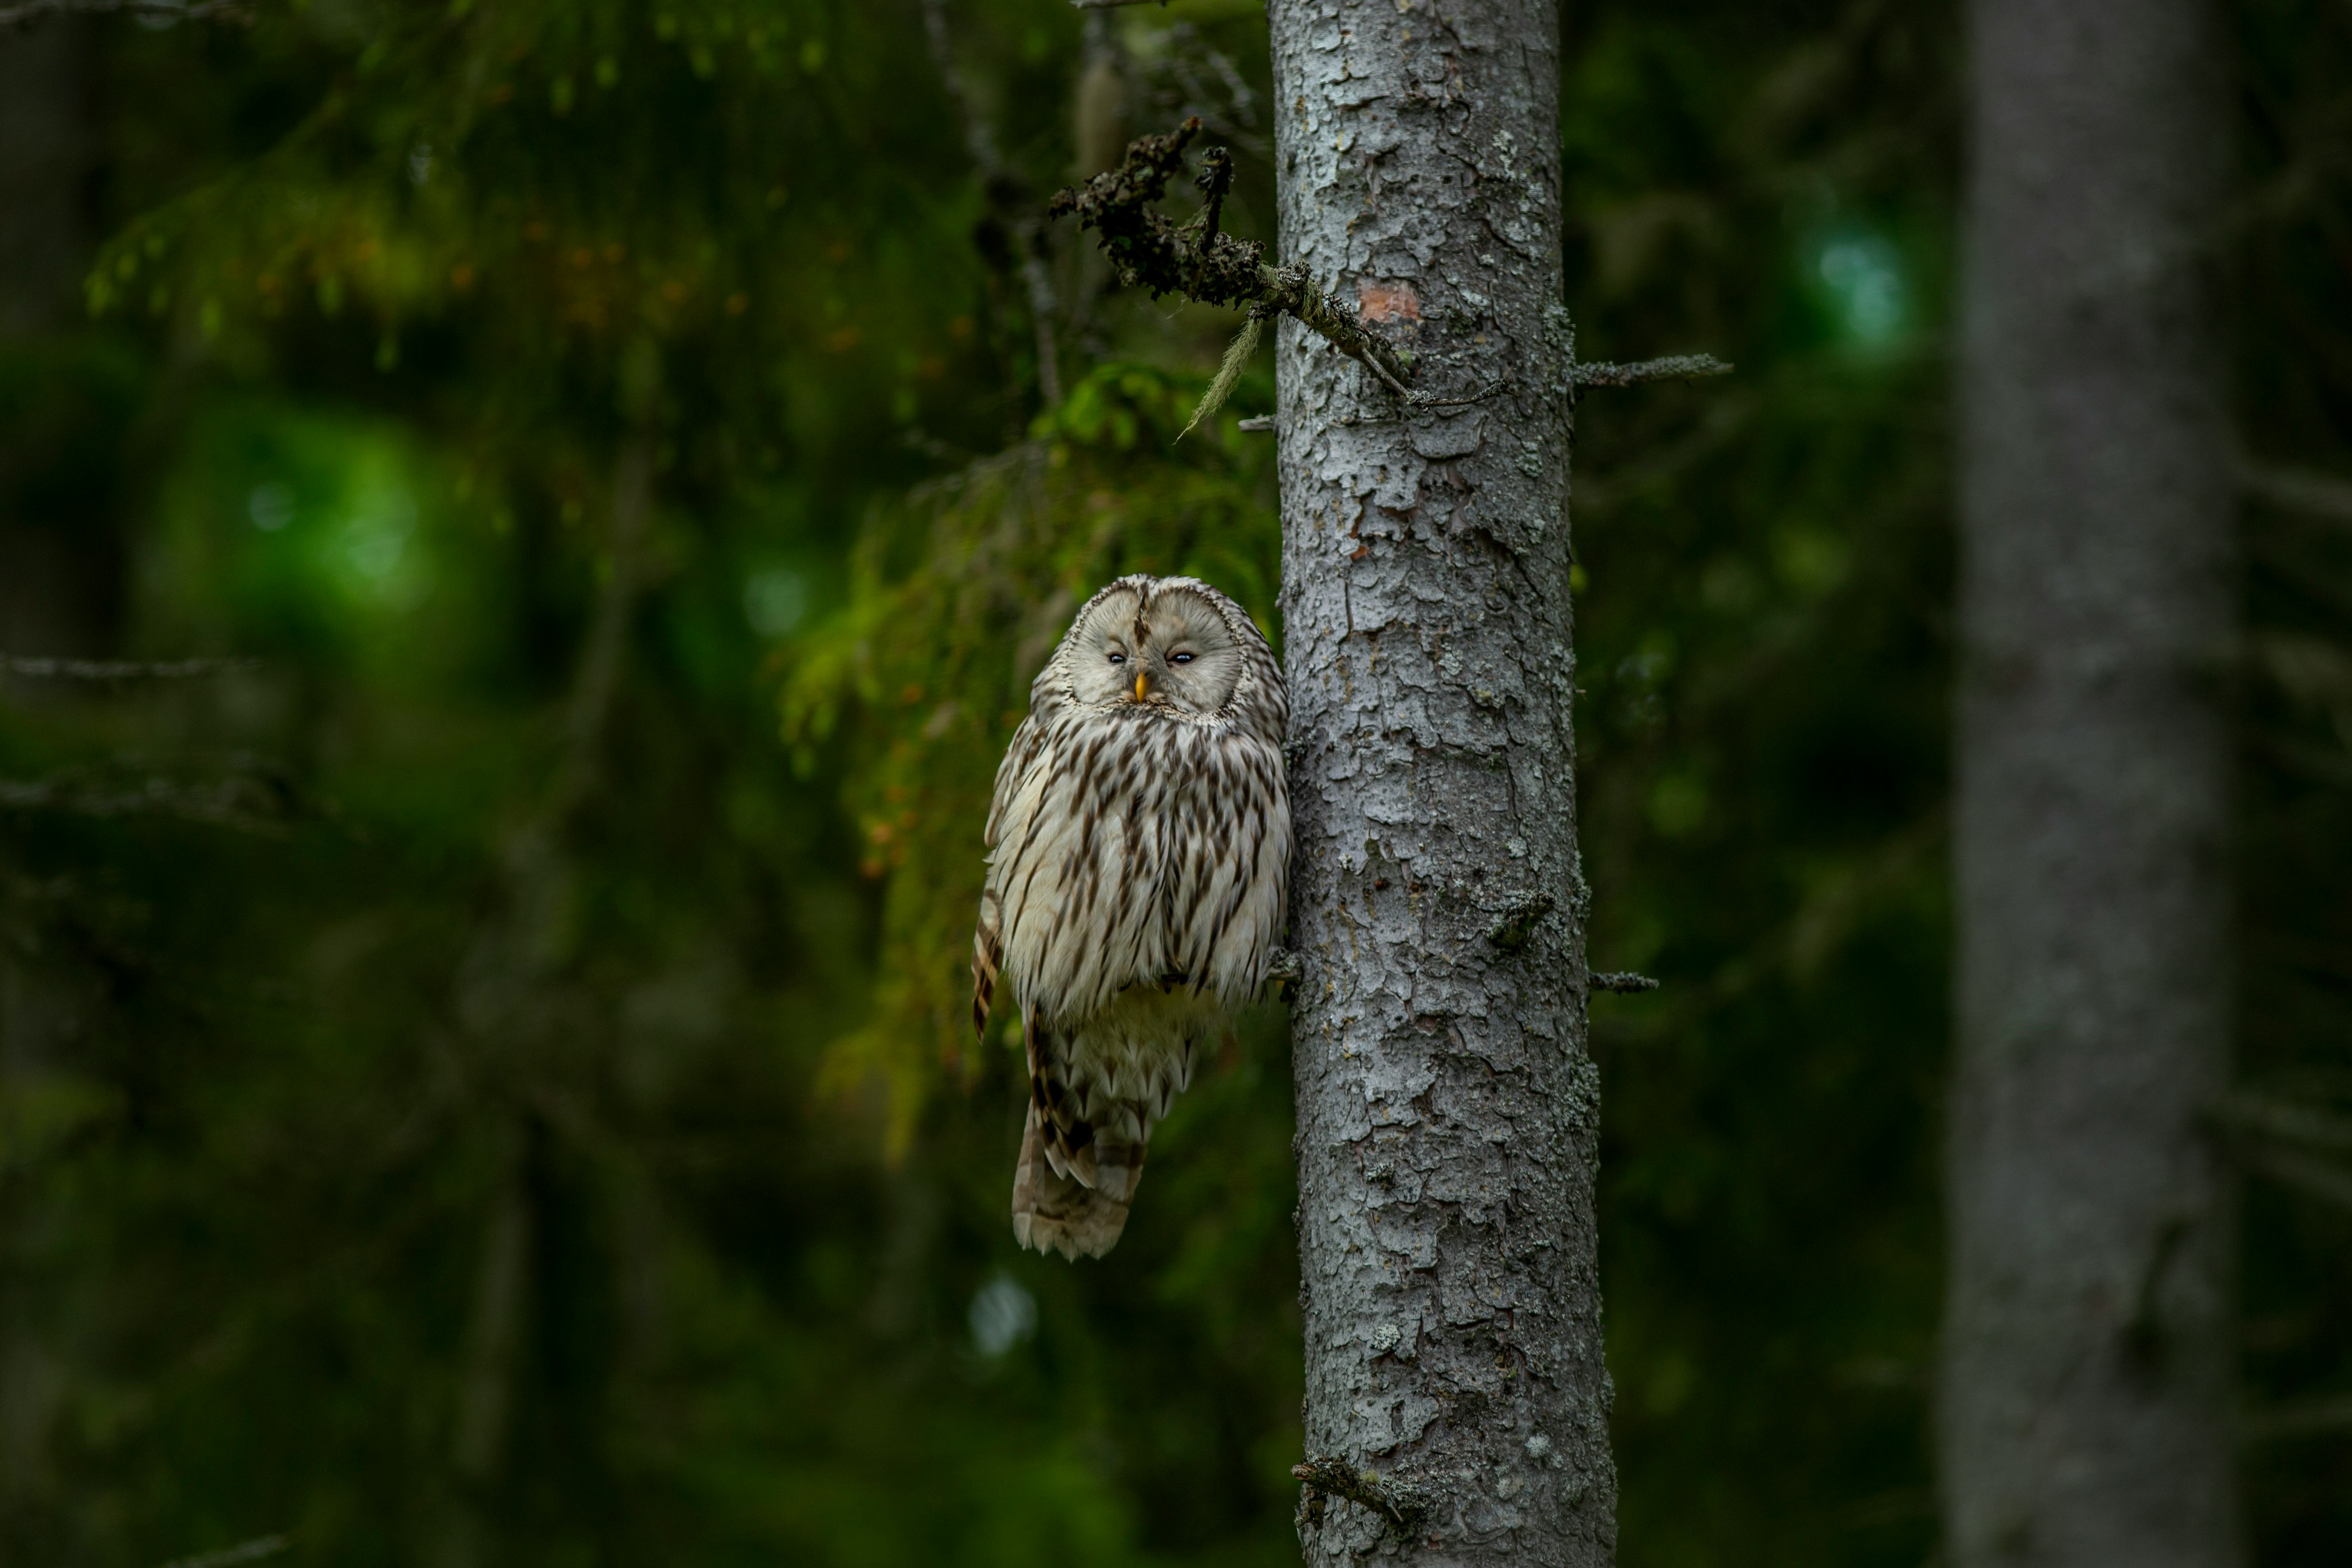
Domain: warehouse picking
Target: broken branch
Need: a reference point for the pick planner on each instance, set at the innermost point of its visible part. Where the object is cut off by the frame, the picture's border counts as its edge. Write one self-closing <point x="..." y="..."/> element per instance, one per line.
<point x="1200" y="262"/>
<point x="1329" y="1476"/>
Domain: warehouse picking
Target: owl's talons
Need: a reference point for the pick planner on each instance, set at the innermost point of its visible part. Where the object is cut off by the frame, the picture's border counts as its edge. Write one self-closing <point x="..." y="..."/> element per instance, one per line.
<point x="1283" y="966"/>
<point x="1329" y="1476"/>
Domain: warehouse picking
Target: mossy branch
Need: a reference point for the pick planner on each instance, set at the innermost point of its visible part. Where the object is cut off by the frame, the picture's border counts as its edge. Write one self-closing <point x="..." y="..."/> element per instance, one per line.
<point x="1329" y="1476"/>
<point x="1198" y="261"/>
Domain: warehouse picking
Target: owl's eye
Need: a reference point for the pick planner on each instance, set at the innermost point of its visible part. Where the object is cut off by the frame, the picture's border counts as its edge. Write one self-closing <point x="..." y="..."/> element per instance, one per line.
<point x="1180" y="659"/>
<point x="1119" y="658"/>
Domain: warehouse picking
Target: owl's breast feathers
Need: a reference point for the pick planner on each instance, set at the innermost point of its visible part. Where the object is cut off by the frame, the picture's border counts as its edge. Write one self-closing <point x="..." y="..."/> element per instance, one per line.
<point x="1135" y="849"/>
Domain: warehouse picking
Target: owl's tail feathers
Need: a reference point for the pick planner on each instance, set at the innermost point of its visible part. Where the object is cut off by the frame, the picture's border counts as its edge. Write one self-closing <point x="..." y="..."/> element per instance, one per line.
<point x="1055" y="1212"/>
<point x="1106" y="1154"/>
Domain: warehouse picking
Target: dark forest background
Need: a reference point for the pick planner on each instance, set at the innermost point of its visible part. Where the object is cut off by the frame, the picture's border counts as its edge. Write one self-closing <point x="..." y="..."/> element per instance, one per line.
<point x="481" y="1073"/>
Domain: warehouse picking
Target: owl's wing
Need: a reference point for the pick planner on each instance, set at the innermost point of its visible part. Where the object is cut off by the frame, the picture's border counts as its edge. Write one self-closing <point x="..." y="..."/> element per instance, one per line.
<point x="988" y="934"/>
<point x="987" y="958"/>
<point x="1020" y="756"/>
<point x="1227" y="900"/>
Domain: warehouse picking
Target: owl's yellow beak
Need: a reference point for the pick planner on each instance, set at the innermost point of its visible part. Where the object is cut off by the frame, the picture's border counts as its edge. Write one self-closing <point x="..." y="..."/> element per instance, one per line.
<point x="1139" y="678"/>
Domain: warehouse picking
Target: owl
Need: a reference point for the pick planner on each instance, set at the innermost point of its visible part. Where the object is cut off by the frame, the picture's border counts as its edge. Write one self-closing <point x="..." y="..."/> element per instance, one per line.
<point x="1139" y="850"/>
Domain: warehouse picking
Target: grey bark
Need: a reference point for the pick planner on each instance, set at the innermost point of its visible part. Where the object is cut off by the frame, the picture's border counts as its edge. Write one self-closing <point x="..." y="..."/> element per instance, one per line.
<point x="1448" y="1109"/>
<point x="2087" y="1356"/>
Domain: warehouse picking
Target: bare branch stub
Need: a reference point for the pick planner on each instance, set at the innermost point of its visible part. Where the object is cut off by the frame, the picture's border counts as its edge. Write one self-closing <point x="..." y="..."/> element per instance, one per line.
<point x="1670" y="368"/>
<point x="1623" y="982"/>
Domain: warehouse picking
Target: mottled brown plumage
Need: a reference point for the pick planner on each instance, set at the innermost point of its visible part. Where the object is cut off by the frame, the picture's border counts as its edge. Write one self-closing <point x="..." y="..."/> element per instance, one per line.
<point x="1139" y="850"/>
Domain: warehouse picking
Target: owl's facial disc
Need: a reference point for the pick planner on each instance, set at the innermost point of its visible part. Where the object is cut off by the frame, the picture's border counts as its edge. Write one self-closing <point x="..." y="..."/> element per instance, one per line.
<point x="1185" y="653"/>
<point x="1169" y="651"/>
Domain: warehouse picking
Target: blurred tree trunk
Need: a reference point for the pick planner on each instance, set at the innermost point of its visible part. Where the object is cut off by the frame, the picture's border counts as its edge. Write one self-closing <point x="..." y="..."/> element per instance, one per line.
<point x="52" y="596"/>
<point x="529" y="1028"/>
<point x="54" y="588"/>
<point x="2087" y="1360"/>
<point x="1448" y="1109"/>
<point x="48" y="147"/>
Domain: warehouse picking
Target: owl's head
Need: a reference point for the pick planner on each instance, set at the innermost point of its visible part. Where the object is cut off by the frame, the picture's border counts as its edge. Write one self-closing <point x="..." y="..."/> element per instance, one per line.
<point x="1164" y="643"/>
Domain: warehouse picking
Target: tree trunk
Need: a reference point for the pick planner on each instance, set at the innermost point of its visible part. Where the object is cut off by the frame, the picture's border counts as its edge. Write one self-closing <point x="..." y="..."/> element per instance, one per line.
<point x="1447" y="1110"/>
<point x="48" y="151"/>
<point x="59" y="575"/>
<point x="2087" y="1356"/>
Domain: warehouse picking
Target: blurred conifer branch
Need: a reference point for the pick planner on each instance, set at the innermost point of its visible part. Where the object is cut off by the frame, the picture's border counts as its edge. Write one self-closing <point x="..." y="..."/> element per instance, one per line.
<point x="252" y="801"/>
<point x="2299" y="491"/>
<point x="118" y="669"/>
<point x="2289" y="1140"/>
<point x="1006" y="194"/>
<point x="2304" y="1418"/>
<point x="245" y="1552"/>
<point x="32" y="11"/>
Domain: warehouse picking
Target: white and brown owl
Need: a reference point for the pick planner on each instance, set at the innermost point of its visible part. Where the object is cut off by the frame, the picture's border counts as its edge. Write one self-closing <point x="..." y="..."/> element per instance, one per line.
<point x="1139" y="853"/>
